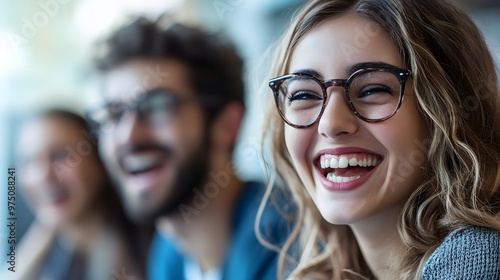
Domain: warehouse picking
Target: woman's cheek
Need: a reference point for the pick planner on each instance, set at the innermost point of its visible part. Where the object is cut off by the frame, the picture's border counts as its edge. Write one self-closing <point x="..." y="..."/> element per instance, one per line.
<point x="298" y="143"/>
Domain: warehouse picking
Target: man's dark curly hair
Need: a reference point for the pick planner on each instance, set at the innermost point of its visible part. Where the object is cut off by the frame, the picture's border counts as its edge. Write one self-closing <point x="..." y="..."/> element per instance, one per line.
<point x="215" y="68"/>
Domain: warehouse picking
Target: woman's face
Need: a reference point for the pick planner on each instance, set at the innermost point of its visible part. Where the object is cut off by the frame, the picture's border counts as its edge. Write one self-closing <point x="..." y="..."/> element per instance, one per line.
<point x="394" y="149"/>
<point x="59" y="172"/>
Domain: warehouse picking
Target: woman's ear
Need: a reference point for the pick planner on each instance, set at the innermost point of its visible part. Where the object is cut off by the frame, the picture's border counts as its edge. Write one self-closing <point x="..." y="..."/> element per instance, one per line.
<point x="226" y="127"/>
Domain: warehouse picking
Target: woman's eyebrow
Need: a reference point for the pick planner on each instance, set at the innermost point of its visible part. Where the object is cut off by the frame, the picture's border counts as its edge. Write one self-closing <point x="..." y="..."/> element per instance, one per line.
<point x="349" y="70"/>
<point x="310" y="72"/>
<point x="369" y="64"/>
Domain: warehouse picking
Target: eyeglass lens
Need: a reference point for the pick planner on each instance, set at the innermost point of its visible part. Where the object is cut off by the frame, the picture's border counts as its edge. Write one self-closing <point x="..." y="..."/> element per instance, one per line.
<point x="155" y="108"/>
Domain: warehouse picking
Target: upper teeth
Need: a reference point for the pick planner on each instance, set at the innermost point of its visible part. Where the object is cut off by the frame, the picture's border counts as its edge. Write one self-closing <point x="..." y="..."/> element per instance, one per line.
<point x="136" y="163"/>
<point x="343" y="161"/>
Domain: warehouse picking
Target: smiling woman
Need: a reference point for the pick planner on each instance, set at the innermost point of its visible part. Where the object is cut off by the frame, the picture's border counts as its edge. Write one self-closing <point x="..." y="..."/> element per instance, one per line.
<point x="394" y="173"/>
<point x="78" y="221"/>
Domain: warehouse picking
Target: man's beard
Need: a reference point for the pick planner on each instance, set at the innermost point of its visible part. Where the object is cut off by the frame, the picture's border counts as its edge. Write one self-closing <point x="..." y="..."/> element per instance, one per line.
<point x="190" y="176"/>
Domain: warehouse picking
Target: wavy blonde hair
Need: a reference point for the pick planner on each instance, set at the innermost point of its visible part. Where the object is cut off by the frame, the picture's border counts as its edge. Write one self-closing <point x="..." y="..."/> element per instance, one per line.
<point x="456" y="87"/>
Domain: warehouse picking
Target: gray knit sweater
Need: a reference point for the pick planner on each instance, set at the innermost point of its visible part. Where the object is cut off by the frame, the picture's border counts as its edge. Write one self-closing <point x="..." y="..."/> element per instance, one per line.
<point x="470" y="253"/>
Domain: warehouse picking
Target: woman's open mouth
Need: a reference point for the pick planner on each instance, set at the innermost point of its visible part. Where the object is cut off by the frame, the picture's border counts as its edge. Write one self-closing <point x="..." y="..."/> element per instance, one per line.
<point x="346" y="168"/>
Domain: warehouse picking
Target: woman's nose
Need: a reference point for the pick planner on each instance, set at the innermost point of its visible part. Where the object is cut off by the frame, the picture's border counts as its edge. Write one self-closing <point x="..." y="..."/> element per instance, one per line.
<point x="337" y="119"/>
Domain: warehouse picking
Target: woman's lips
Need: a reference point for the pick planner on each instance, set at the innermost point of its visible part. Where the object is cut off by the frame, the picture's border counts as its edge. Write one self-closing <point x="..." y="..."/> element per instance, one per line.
<point x="347" y="168"/>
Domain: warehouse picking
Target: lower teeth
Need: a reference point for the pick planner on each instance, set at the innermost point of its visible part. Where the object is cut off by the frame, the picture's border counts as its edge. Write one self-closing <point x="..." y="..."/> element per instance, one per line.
<point x="339" y="179"/>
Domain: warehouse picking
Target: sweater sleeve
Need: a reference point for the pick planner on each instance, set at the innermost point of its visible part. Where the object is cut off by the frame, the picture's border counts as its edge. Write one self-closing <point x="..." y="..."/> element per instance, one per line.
<point x="470" y="253"/>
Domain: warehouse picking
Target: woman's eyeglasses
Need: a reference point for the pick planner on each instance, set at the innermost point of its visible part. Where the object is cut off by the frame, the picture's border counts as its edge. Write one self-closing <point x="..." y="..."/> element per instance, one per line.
<point x="372" y="94"/>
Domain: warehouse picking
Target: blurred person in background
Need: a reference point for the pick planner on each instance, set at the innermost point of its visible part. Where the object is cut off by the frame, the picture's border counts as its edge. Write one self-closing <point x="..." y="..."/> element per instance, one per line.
<point x="174" y="103"/>
<point x="79" y="227"/>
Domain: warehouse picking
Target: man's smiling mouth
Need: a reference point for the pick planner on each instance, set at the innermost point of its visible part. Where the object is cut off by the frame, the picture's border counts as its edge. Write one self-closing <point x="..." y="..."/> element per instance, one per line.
<point x="142" y="162"/>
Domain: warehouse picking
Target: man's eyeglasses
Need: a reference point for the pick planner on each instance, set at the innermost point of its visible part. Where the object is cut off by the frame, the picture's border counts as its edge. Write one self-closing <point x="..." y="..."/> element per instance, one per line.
<point x="155" y="107"/>
<point x="372" y="94"/>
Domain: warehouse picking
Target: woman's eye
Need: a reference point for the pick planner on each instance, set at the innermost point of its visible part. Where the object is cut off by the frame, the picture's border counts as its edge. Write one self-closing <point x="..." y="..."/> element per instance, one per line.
<point x="115" y="112"/>
<point x="304" y="95"/>
<point x="374" y="90"/>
